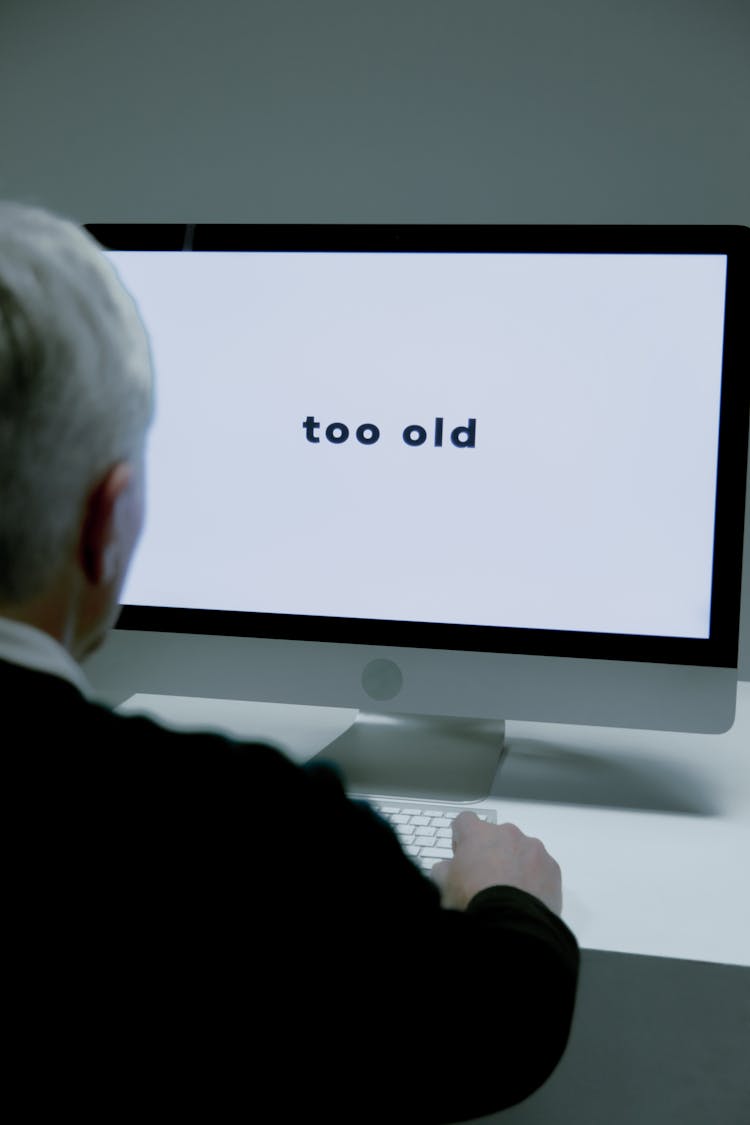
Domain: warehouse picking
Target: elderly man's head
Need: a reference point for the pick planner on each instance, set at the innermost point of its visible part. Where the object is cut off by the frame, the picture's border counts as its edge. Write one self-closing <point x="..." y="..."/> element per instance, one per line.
<point x="75" y="404"/>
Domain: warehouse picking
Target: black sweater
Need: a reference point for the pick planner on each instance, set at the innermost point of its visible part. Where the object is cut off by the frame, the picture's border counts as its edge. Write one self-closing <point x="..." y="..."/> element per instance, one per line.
<point x="199" y="927"/>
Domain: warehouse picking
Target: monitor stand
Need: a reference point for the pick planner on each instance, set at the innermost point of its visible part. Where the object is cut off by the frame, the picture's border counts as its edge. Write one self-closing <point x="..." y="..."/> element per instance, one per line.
<point x="426" y="756"/>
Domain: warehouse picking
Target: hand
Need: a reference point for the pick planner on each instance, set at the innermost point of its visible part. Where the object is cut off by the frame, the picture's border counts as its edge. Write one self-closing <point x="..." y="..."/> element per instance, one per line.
<point x="490" y="855"/>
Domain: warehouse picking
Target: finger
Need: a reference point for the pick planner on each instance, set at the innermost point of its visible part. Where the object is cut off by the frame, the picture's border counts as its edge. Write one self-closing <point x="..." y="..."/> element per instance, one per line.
<point x="464" y="824"/>
<point x="439" y="872"/>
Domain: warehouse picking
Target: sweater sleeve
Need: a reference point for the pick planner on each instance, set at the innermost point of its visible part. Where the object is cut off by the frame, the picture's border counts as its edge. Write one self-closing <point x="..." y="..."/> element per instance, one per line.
<point x="497" y="981"/>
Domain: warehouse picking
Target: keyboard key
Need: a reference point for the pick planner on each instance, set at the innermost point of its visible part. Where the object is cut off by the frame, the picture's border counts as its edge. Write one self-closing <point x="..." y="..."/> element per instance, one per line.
<point x="422" y="829"/>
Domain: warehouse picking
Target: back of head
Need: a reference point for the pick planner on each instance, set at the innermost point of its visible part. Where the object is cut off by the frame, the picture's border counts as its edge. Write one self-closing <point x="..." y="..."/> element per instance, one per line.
<point x="75" y="388"/>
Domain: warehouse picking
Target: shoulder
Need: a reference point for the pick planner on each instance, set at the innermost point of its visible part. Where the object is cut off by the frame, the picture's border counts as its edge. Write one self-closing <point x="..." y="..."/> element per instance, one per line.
<point x="64" y="737"/>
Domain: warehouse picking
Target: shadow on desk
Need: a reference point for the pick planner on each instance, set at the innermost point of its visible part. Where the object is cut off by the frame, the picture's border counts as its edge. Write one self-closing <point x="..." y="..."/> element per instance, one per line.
<point x="535" y="770"/>
<point x="654" y="1042"/>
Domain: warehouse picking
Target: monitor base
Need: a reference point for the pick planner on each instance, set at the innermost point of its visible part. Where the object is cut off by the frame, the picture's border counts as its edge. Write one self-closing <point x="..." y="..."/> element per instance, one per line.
<point x="426" y="756"/>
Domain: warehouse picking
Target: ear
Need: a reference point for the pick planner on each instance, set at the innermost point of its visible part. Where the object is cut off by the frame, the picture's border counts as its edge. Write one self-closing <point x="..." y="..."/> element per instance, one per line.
<point x="100" y="543"/>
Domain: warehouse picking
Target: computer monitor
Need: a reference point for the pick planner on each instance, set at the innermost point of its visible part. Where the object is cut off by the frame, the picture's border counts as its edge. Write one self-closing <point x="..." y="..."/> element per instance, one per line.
<point x="446" y="475"/>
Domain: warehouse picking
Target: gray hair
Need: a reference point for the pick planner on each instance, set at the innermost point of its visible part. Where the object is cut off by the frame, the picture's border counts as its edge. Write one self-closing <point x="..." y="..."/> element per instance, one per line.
<point x="76" y="393"/>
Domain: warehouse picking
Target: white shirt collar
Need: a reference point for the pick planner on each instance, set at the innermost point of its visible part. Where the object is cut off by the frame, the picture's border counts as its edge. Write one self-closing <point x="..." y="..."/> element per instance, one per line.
<point x="26" y="645"/>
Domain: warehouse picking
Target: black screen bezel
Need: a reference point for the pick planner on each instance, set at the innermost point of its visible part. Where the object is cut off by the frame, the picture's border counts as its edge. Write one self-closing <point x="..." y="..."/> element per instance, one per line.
<point x="720" y="649"/>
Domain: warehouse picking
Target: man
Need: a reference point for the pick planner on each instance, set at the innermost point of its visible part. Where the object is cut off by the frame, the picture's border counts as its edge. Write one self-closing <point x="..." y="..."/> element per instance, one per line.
<point x="170" y="953"/>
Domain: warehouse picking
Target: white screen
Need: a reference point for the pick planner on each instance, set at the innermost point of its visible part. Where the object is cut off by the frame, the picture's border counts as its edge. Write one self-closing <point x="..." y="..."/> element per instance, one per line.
<point x="586" y="502"/>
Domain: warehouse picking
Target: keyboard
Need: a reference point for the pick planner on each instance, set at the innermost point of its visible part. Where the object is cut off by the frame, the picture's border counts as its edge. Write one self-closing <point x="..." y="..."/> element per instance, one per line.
<point x="423" y="827"/>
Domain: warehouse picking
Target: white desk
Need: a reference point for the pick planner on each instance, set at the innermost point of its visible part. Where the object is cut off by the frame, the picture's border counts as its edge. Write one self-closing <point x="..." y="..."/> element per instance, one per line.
<point x="636" y="878"/>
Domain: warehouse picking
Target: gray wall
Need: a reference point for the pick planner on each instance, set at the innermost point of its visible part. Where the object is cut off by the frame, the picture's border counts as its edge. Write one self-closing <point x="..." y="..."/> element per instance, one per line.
<point x="505" y="111"/>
